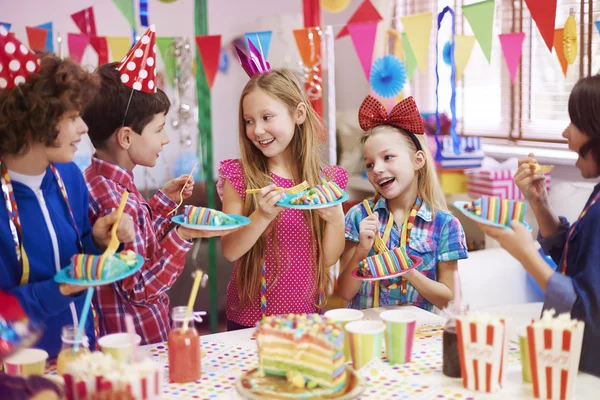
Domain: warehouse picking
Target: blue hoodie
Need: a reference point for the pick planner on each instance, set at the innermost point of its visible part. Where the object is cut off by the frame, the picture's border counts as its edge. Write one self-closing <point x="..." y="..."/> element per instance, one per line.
<point x="40" y="297"/>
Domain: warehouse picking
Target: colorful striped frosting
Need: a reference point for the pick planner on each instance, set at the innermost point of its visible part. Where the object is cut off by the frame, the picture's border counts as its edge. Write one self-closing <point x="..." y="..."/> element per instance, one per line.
<point x="305" y="345"/>
<point x="497" y="210"/>
<point x="386" y="263"/>
<point x="328" y="192"/>
<point x="206" y="216"/>
<point x="93" y="267"/>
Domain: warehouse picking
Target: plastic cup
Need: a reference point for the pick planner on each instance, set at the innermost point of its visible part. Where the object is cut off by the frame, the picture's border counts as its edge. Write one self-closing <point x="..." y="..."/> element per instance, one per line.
<point x="399" y="335"/>
<point x="365" y="339"/>
<point x="118" y="345"/>
<point x="26" y="362"/>
<point x="344" y="316"/>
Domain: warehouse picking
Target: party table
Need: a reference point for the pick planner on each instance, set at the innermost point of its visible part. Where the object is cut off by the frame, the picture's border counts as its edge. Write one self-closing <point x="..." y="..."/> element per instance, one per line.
<point x="225" y="356"/>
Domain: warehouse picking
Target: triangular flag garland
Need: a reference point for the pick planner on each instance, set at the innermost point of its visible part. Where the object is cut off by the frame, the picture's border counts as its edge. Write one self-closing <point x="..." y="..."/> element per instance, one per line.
<point x="560" y="50"/>
<point x="100" y="45"/>
<point x="308" y="41"/>
<point x="481" y="19"/>
<point x="512" y="48"/>
<point x="418" y="32"/>
<point x="164" y="48"/>
<point x="128" y="11"/>
<point x="209" y="47"/>
<point x="365" y="13"/>
<point x="85" y="21"/>
<point x="119" y="46"/>
<point x="49" y="37"/>
<point x="363" y="39"/>
<point x="77" y="44"/>
<point x="463" y="47"/>
<point x="262" y="41"/>
<point x="138" y="68"/>
<point x="409" y="57"/>
<point x="543" y="12"/>
<point x="36" y="38"/>
<point x="17" y="60"/>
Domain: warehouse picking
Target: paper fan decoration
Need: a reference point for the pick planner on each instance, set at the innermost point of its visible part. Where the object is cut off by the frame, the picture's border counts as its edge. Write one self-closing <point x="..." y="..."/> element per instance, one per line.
<point x="388" y="76"/>
<point x="334" y="6"/>
<point x="570" y="42"/>
<point x="17" y="61"/>
<point x="138" y="68"/>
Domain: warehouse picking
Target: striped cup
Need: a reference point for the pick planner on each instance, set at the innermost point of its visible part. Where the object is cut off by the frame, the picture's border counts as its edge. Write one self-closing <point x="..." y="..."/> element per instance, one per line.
<point x="344" y="316"/>
<point x="399" y="335"/>
<point x="365" y="339"/>
<point x="26" y="362"/>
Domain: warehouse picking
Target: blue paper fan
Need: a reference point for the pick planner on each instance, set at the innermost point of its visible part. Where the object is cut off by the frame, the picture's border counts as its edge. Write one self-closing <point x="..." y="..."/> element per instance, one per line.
<point x="447" y="53"/>
<point x="388" y="76"/>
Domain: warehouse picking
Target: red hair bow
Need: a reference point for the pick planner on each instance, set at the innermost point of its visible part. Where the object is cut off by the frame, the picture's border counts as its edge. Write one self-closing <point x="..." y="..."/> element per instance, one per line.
<point x="405" y="115"/>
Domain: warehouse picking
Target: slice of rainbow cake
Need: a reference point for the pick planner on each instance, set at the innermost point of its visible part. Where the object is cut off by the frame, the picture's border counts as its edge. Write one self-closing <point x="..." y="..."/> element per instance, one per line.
<point x="206" y="216"/>
<point x="328" y="192"/>
<point x="386" y="263"/>
<point x="500" y="211"/>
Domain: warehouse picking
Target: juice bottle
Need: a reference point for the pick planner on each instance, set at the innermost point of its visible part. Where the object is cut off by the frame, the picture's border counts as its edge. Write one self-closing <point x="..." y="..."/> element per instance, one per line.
<point x="451" y="361"/>
<point x="66" y="354"/>
<point x="184" y="348"/>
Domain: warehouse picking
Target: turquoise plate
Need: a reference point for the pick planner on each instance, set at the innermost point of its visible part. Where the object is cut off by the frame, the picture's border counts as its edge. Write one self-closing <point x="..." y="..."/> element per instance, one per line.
<point x="461" y="204"/>
<point x="63" y="275"/>
<point x="241" y="221"/>
<point x="285" y="202"/>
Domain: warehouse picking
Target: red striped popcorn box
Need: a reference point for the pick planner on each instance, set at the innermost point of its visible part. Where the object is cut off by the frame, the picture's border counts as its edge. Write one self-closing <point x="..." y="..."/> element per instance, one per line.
<point x="482" y="347"/>
<point x="99" y="372"/>
<point x="495" y="182"/>
<point x="554" y="352"/>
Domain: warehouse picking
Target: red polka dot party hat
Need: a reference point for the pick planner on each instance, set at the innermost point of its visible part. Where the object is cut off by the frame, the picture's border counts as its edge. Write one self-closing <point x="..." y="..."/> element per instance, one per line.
<point x="138" y="68"/>
<point x="16" y="61"/>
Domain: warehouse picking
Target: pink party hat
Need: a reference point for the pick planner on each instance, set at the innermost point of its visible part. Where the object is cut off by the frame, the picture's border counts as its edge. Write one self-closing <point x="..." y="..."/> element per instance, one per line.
<point x="254" y="63"/>
<point x="138" y="68"/>
<point x="17" y="61"/>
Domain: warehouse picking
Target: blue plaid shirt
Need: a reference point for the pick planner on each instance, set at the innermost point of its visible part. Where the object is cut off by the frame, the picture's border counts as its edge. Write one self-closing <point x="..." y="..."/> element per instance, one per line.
<point x="435" y="237"/>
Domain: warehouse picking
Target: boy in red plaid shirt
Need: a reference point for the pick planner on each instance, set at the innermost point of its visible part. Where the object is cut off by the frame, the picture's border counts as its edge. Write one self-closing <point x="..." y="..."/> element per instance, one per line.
<point x="127" y="129"/>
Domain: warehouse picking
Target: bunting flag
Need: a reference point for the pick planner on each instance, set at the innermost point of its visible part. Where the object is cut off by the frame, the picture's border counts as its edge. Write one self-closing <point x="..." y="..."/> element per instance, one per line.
<point x="409" y="57"/>
<point x="308" y="41"/>
<point x="365" y="13"/>
<point x="209" y="47"/>
<point x="77" y="43"/>
<point x="49" y="37"/>
<point x="418" y="32"/>
<point x="543" y="12"/>
<point x="101" y="47"/>
<point x="85" y="21"/>
<point x="394" y="37"/>
<point x="126" y="8"/>
<point x="560" y="50"/>
<point x="463" y="47"/>
<point x="481" y="19"/>
<point x="164" y="47"/>
<point x="512" y="47"/>
<point x="262" y="41"/>
<point x="119" y="46"/>
<point x="36" y="37"/>
<point x="363" y="39"/>
<point x="6" y="25"/>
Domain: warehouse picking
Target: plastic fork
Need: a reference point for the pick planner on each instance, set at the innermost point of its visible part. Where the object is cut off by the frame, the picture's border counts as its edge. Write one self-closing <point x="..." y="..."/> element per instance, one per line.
<point x="182" y="189"/>
<point x="380" y="246"/>
<point x="113" y="244"/>
<point x="293" y="190"/>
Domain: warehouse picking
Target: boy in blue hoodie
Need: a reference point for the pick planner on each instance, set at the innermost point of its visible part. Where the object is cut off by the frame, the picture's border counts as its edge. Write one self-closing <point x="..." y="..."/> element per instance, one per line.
<point x="43" y="210"/>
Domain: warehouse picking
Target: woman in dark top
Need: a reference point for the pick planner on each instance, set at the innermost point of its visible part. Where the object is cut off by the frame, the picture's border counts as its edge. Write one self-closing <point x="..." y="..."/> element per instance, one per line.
<point x="575" y="285"/>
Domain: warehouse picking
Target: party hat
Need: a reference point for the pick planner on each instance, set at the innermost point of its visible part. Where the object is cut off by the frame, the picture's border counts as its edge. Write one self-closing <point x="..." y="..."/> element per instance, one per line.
<point x="254" y="63"/>
<point x="17" y="61"/>
<point x="138" y="68"/>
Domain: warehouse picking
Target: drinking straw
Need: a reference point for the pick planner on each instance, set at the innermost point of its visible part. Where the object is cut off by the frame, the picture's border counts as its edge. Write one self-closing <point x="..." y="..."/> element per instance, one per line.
<point x="190" y="307"/>
<point x="83" y="318"/>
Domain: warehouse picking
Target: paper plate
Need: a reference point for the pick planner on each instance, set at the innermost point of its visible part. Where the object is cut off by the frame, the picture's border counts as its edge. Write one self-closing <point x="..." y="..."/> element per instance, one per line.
<point x="285" y="202"/>
<point x="416" y="263"/>
<point x="252" y="385"/>
<point x="63" y="275"/>
<point x="241" y="221"/>
<point x="461" y="204"/>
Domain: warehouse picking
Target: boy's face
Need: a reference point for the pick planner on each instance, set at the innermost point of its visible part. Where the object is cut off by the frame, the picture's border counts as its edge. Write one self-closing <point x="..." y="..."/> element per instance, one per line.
<point x="70" y="129"/>
<point x="145" y="148"/>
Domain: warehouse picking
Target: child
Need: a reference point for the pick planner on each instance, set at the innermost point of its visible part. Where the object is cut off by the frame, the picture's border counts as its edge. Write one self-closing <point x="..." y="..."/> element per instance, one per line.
<point x="127" y="129"/>
<point x="575" y="286"/>
<point x="43" y="216"/>
<point x="402" y="172"/>
<point x="278" y="139"/>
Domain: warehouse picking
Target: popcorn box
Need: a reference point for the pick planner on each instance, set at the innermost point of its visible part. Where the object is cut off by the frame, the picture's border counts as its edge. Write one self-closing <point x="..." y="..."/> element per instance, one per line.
<point x="482" y="348"/>
<point x="554" y="353"/>
<point x="495" y="182"/>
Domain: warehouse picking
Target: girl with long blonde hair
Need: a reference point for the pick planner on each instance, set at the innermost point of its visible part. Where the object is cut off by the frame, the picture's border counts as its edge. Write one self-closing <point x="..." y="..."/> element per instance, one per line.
<point x="282" y="257"/>
<point x="402" y="172"/>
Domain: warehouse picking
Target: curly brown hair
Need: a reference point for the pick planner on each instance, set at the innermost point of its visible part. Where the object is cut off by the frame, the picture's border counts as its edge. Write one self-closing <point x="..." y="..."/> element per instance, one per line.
<point x="30" y="112"/>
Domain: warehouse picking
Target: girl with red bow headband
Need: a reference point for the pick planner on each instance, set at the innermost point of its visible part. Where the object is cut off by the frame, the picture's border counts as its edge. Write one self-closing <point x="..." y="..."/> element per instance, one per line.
<point x="402" y="172"/>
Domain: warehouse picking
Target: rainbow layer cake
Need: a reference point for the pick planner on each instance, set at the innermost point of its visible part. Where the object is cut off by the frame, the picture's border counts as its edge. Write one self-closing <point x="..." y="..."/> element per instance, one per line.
<point x="92" y="267"/>
<point x="207" y="216"/>
<point x="386" y="263"/>
<point x="328" y="192"/>
<point x="497" y="210"/>
<point x="305" y="348"/>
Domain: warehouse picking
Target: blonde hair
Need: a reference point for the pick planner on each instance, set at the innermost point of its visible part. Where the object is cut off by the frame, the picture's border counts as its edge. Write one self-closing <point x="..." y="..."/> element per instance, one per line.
<point x="428" y="183"/>
<point x="281" y="85"/>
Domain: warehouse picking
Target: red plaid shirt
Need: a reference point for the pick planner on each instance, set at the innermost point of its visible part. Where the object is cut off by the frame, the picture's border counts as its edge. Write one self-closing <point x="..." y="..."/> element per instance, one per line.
<point x="142" y="295"/>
